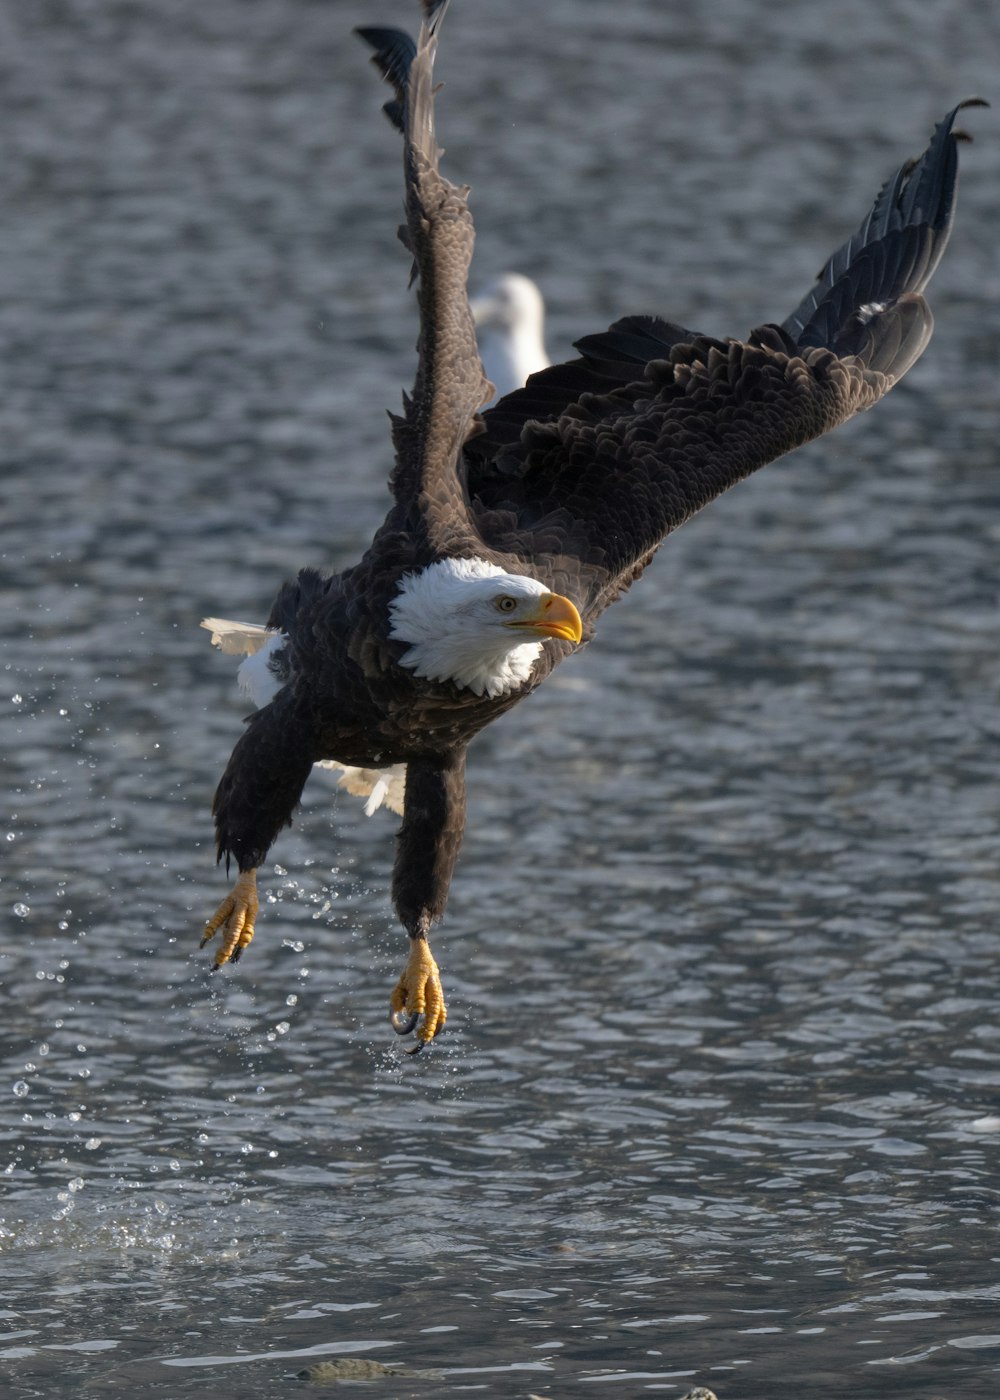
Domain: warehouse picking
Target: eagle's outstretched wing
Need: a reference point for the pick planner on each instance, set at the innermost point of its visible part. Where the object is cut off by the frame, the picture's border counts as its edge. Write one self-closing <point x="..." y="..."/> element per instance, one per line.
<point x="450" y="387"/>
<point x="599" y="459"/>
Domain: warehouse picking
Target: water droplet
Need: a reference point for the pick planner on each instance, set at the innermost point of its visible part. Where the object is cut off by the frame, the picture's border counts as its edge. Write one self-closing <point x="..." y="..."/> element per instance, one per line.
<point x="77" y="1184"/>
<point x="92" y="1144"/>
<point x="21" y="1090"/>
<point x="22" y="910"/>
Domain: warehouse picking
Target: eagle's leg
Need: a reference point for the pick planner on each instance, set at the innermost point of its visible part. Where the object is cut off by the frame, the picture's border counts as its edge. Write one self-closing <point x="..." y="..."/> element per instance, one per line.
<point x="258" y="792"/>
<point x="428" y="843"/>
<point x="235" y="916"/>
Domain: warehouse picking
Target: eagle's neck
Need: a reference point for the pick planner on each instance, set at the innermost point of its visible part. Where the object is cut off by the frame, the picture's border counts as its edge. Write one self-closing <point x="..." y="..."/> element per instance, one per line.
<point x="492" y="673"/>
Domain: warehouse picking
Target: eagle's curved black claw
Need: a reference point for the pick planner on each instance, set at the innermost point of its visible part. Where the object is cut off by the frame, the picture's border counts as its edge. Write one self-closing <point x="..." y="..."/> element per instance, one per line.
<point x="415" y="1048"/>
<point x="403" y="1023"/>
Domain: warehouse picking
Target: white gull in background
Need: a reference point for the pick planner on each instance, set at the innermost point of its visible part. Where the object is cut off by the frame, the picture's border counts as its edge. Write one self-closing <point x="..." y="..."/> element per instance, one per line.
<point x="510" y="324"/>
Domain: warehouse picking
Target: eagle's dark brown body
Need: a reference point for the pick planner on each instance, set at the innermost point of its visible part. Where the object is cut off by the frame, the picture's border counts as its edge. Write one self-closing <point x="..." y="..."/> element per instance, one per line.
<point x="574" y="481"/>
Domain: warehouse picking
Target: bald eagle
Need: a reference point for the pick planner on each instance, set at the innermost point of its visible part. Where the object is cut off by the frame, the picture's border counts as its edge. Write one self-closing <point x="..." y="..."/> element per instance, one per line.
<point x="512" y="531"/>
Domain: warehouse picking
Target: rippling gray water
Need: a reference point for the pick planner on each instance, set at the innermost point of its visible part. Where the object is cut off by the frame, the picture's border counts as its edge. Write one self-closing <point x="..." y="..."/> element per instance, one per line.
<point x="718" y="1102"/>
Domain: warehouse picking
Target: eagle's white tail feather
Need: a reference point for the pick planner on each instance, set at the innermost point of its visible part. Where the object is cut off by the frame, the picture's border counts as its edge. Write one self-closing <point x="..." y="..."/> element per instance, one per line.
<point x="237" y="638"/>
<point x="382" y="786"/>
<point x="256" y="679"/>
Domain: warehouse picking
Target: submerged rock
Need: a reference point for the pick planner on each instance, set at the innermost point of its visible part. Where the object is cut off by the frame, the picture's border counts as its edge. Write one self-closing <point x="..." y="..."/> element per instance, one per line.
<point x="359" y="1368"/>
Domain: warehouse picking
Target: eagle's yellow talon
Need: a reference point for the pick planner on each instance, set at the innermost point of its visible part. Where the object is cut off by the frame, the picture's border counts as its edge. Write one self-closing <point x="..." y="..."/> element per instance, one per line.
<point x="418" y="993"/>
<point x="235" y="916"/>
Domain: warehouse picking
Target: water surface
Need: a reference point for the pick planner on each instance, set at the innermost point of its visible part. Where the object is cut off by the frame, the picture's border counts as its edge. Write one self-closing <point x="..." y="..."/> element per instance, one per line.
<point x="718" y="1103"/>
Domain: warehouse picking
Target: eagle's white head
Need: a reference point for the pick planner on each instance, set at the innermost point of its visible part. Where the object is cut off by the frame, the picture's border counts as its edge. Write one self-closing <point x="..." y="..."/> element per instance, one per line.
<point x="469" y="622"/>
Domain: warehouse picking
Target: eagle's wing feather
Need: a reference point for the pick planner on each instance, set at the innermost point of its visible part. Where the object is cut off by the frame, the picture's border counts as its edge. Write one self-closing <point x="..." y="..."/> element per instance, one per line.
<point x="658" y="421"/>
<point x="450" y="386"/>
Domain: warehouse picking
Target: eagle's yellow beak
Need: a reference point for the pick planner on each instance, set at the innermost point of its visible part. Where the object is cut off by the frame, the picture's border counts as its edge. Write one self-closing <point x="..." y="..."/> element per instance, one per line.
<point x="552" y="616"/>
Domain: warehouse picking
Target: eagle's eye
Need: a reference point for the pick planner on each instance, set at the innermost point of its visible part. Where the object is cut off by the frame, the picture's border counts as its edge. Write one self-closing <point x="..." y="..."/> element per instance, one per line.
<point x="505" y="603"/>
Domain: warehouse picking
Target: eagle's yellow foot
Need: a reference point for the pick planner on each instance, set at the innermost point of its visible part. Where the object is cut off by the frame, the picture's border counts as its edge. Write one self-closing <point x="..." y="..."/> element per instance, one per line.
<point x="418" y="993"/>
<point x="235" y="917"/>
